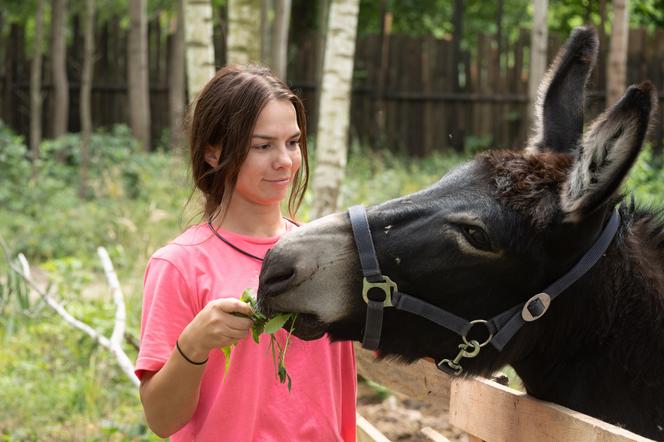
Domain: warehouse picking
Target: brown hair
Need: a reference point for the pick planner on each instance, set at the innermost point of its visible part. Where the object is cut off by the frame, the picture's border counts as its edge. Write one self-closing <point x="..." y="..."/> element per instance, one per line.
<point x="224" y="115"/>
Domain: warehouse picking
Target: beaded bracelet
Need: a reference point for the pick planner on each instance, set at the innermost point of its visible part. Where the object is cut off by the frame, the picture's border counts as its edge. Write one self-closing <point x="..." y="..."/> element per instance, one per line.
<point x="177" y="344"/>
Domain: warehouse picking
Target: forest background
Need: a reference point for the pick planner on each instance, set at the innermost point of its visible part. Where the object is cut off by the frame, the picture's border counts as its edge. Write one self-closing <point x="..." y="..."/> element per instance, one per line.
<point x="93" y="98"/>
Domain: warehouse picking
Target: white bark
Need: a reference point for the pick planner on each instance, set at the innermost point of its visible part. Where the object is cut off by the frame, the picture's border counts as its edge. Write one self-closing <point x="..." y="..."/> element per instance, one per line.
<point x="538" y="48"/>
<point x="113" y="344"/>
<point x="137" y="72"/>
<point x="244" y="30"/>
<point x="280" y="38"/>
<point x="334" y="109"/>
<point x="616" y="75"/>
<point x="199" y="45"/>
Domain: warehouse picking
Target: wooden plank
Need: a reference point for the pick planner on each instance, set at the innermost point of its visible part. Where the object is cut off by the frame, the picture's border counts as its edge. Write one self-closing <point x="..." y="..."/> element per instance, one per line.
<point x="433" y="435"/>
<point x="496" y="413"/>
<point x="367" y="432"/>
<point x="420" y="380"/>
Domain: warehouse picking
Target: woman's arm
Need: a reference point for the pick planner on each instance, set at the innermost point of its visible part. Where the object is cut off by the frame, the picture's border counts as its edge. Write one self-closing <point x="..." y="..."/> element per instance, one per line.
<point x="170" y="395"/>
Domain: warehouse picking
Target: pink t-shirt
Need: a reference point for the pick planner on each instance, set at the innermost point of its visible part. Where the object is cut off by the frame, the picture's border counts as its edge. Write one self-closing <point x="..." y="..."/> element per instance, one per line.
<point x="250" y="404"/>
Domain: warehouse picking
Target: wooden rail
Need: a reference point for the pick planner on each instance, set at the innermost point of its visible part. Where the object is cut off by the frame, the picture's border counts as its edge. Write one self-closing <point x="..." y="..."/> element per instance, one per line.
<point x="486" y="410"/>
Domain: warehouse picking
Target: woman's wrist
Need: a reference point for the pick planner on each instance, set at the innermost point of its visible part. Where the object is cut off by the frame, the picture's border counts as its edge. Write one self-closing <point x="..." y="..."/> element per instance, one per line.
<point x="190" y="352"/>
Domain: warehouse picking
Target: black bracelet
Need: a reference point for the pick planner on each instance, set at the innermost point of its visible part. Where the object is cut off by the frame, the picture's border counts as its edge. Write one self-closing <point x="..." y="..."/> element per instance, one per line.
<point x="177" y="344"/>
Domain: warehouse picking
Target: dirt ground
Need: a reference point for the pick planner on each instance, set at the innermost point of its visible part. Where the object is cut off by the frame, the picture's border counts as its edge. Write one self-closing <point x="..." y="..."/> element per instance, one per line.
<point x="403" y="420"/>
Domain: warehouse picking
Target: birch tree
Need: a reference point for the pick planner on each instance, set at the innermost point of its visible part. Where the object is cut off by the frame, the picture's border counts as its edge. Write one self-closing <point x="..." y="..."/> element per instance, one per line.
<point x="59" y="64"/>
<point x="176" y="62"/>
<point x="334" y="110"/>
<point x="616" y="75"/>
<point x="137" y="72"/>
<point x="86" y="87"/>
<point x="538" y="48"/>
<point x="198" y="43"/>
<point x="244" y="27"/>
<point x="279" y="42"/>
<point x="35" y="86"/>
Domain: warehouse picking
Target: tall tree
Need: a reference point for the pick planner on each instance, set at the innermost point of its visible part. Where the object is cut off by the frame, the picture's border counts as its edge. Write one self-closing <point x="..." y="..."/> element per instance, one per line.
<point x="267" y="7"/>
<point x="199" y="45"/>
<point x="538" y="48"/>
<point x="334" y="114"/>
<point x="86" y="87"/>
<point x="616" y="75"/>
<point x="244" y="24"/>
<point x="176" y="92"/>
<point x="59" y="63"/>
<point x="35" y="85"/>
<point x="279" y="51"/>
<point x="137" y="71"/>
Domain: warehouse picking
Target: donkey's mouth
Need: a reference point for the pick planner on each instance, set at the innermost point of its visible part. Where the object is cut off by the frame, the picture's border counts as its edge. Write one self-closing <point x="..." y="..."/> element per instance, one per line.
<point x="309" y="327"/>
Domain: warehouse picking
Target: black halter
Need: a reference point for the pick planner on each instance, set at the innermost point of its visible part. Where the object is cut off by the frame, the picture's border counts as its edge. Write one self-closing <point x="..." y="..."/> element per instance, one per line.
<point x="500" y="328"/>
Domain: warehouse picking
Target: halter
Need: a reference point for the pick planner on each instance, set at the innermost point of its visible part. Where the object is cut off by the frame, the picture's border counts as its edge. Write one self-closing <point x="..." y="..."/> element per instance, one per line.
<point x="500" y="329"/>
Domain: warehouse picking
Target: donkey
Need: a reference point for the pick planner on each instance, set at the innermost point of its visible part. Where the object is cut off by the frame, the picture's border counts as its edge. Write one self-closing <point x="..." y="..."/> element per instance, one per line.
<point x="489" y="240"/>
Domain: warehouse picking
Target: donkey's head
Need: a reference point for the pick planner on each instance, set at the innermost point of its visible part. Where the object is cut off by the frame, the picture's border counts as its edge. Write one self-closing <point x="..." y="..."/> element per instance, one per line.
<point x="486" y="237"/>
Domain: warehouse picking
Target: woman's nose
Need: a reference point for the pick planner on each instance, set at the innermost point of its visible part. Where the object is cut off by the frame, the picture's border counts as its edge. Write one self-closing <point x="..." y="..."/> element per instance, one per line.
<point x="284" y="158"/>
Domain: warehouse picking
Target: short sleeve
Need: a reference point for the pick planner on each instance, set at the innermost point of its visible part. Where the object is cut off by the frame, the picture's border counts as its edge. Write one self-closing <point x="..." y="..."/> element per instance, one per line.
<point x="168" y="307"/>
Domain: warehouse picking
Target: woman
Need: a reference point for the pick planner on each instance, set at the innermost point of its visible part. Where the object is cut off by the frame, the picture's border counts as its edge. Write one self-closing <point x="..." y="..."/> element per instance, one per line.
<point x="248" y="147"/>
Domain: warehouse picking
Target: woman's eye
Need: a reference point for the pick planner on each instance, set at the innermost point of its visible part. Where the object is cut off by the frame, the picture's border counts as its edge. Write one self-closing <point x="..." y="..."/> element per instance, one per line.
<point x="477" y="237"/>
<point x="262" y="146"/>
<point x="294" y="143"/>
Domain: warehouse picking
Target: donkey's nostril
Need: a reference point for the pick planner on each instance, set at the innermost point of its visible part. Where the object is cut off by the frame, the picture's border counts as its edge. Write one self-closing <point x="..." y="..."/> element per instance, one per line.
<point x="278" y="281"/>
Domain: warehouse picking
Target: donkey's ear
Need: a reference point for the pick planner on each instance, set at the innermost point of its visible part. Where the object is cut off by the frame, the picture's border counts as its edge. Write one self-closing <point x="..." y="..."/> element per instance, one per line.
<point x="558" y="120"/>
<point x="608" y="151"/>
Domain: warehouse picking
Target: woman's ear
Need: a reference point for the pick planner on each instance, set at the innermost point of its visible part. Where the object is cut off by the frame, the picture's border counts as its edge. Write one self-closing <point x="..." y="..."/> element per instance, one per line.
<point x="212" y="154"/>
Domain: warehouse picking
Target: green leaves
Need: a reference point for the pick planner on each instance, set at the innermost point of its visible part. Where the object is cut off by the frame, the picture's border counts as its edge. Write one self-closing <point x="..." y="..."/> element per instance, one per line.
<point x="270" y="326"/>
<point x="274" y="324"/>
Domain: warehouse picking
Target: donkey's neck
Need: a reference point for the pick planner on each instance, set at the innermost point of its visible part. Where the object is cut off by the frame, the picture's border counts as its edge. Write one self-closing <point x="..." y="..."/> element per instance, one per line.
<point x="600" y="348"/>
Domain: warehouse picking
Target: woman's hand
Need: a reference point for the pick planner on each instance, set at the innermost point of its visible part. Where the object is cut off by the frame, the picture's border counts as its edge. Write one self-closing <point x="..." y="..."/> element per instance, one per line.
<point x="221" y="323"/>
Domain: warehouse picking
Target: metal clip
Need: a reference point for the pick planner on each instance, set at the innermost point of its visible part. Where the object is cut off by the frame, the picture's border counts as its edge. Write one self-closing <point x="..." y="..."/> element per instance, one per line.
<point x="454" y="367"/>
<point x="387" y="286"/>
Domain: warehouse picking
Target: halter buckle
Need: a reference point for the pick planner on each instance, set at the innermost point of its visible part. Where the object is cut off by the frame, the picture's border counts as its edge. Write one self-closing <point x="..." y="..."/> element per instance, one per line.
<point x="388" y="287"/>
<point x="453" y="367"/>
<point x="535" y="307"/>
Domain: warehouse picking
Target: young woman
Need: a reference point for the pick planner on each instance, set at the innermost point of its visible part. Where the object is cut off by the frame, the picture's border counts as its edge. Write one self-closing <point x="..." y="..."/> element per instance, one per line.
<point x="248" y="148"/>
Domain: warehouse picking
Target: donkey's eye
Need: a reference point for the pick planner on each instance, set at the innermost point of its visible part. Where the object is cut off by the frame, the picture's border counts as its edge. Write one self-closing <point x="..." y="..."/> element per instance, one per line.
<point x="476" y="237"/>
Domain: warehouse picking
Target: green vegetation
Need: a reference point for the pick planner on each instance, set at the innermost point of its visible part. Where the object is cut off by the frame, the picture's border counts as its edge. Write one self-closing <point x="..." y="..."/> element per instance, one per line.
<point x="56" y="384"/>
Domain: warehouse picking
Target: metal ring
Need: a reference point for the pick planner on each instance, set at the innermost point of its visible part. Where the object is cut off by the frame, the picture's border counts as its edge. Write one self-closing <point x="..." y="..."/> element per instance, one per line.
<point x="478" y="321"/>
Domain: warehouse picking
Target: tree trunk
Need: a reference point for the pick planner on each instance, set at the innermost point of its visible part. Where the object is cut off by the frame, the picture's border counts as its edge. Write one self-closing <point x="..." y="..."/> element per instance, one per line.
<point x="334" y="115"/>
<point x="280" y="38"/>
<point x="137" y="71"/>
<point x="59" y="61"/>
<point x="616" y="75"/>
<point x="199" y="46"/>
<point x="455" y="132"/>
<point x="322" y="16"/>
<point x="378" y="138"/>
<point x="86" y="87"/>
<point x="35" y="87"/>
<point x="176" y="93"/>
<point x="267" y="6"/>
<point x="244" y="26"/>
<point x="538" y="48"/>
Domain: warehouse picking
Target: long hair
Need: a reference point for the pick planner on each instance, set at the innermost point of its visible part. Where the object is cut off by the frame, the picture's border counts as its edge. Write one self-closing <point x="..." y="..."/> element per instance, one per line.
<point x="224" y="115"/>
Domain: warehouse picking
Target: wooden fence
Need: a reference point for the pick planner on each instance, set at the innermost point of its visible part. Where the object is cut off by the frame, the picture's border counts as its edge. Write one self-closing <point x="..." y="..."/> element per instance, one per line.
<point x="407" y="101"/>
<point x="484" y="409"/>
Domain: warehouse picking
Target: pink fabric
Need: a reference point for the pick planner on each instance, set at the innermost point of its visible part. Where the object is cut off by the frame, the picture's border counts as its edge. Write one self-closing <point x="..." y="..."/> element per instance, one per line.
<point x="250" y="404"/>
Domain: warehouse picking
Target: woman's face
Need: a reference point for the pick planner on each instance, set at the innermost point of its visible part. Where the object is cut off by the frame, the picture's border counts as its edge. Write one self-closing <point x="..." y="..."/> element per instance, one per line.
<point x="274" y="156"/>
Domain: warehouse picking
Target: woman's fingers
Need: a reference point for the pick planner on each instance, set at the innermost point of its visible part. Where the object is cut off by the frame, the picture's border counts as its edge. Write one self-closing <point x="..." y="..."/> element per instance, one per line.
<point x="233" y="305"/>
